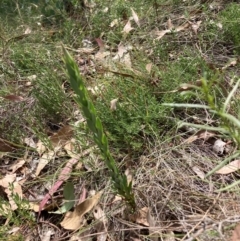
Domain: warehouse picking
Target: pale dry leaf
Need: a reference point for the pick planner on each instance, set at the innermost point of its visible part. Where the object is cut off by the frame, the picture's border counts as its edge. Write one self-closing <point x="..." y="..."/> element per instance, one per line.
<point x="74" y="220"/>
<point x="99" y="214"/>
<point x="115" y="22"/>
<point x="40" y="147"/>
<point x="153" y="235"/>
<point x="141" y="216"/>
<point x="198" y="172"/>
<point x="34" y="206"/>
<point x="13" y="190"/>
<point x="219" y="146"/>
<point x="64" y="134"/>
<point x="126" y="60"/>
<point x="135" y="17"/>
<point x="8" y="179"/>
<point x="236" y="233"/>
<point x="27" y="31"/>
<point x="232" y="62"/>
<point x="70" y="147"/>
<point x="29" y="142"/>
<point x="182" y="27"/>
<point x="101" y="225"/>
<point x="219" y="25"/>
<point x="161" y="33"/>
<point x="13" y="230"/>
<point x="121" y="51"/>
<point x="169" y="236"/>
<point x="149" y="67"/>
<point x="113" y="104"/>
<point x="19" y="163"/>
<point x="195" y="26"/>
<point x="205" y="135"/>
<point x="229" y="168"/>
<point x="32" y="77"/>
<point x="47" y="235"/>
<point x="129" y="176"/>
<point x="169" y="24"/>
<point x="44" y="160"/>
<point x="127" y="28"/>
<point x="101" y="55"/>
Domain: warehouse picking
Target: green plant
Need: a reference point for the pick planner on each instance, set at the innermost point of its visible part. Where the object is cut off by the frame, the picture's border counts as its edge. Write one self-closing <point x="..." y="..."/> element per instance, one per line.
<point x="229" y="125"/>
<point x="82" y="98"/>
<point x="230" y="18"/>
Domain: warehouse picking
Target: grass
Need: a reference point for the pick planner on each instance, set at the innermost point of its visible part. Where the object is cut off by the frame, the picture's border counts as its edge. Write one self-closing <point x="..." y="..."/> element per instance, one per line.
<point x="142" y="133"/>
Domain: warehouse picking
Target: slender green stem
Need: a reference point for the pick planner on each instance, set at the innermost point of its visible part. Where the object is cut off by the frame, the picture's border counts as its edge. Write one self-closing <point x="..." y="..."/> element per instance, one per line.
<point x="82" y="98"/>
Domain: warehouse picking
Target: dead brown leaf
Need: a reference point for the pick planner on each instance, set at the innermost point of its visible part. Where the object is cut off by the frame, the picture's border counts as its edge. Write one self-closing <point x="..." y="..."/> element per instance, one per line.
<point x="236" y="233"/>
<point x="74" y="220"/>
<point x="231" y="167"/>
<point x="15" y="98"/>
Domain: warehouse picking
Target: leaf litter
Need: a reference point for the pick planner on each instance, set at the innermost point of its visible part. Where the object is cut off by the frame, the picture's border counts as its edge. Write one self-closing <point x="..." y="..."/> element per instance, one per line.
<point x="169" y="186"/>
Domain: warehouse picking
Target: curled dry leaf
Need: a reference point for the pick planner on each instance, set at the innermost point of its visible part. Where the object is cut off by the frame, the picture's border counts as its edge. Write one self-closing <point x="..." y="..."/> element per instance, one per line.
<point x="219" y="146"/>
<point x="231" y="167"/>
<point x="74" y="220"/>
<point x="113" y="104"/>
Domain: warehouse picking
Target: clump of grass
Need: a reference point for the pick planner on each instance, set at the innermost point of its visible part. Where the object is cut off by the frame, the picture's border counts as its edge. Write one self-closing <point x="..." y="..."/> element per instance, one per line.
<point x="229" y="125"/>
<point x="230" y="18"/>
<point x="82" y="98"/>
